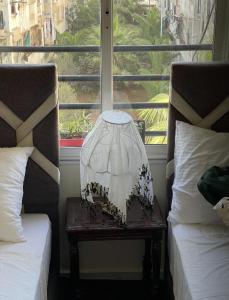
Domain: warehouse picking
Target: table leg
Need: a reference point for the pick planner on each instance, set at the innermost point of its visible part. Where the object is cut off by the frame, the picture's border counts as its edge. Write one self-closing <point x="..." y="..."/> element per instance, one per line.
<point x="147" y="261"/>
<point x="156" y="254"/>
<point x="74" y="267"/>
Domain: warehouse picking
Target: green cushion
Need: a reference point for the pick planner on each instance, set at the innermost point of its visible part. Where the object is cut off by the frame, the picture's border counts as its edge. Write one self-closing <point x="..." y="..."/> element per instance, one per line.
<point x="214" y="184"/>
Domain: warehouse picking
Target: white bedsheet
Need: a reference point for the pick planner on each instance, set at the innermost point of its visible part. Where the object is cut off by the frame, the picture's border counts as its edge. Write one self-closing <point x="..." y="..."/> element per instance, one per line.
<point x="24" y="266"/>
<point x="199" y="261"/>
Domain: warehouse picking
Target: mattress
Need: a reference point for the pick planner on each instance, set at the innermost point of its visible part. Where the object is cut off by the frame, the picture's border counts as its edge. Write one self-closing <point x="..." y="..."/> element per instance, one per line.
<point x="24" y="266"/>
<point x="199" y="261"/>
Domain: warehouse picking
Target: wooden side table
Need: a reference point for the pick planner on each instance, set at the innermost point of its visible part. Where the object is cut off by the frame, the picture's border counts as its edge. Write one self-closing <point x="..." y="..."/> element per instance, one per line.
<point x="87" y="222"/>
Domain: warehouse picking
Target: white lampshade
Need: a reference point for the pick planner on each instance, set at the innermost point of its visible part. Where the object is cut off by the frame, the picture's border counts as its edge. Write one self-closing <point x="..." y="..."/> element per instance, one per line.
<point x="114" y="165"/>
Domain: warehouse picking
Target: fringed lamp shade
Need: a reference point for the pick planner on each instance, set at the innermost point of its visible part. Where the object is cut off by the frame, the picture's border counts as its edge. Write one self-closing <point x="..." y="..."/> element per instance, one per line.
<point x="114" y="165"/>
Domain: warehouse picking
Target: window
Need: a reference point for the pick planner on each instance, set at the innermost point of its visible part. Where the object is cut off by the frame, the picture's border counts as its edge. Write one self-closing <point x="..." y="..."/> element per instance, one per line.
<point x="110" y="54"/>
<point x="199" y="6"/>
<point x="147" y="39"/>
<point x="1" y="20"/>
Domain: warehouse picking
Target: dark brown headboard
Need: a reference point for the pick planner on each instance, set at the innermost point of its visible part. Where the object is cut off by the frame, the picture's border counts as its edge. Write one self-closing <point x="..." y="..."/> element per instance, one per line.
<point x="203" y="86"/>
<point x="23" y="89"/>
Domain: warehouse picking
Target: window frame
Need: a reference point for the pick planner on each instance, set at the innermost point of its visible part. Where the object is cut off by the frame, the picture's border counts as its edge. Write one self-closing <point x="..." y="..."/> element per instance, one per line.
<point x="106" y="55"/>
<point x="106" y="75"/>
<point x="154" y="152"/>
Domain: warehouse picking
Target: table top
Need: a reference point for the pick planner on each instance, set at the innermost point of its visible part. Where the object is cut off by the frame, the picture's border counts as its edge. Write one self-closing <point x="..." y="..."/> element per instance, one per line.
<point x="89" y="222"/>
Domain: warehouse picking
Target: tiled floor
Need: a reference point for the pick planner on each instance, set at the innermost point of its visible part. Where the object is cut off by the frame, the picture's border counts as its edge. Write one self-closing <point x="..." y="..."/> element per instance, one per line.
<point x="108" y="290"/>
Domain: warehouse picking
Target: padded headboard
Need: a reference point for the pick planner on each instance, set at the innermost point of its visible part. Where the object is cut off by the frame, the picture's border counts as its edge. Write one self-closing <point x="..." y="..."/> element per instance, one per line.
<point x="29" y="116"/>
<point x="199" y="95"/>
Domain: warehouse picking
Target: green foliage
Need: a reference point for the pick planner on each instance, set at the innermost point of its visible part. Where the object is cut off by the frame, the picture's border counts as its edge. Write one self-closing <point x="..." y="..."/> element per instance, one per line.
<point x="150" y="25"/>
<point x="66" y="93"/>
<point x="86" y="36"/>
<point x="80" y="63"/>
<point x="76" y="124"/>
<point x="83" y="14"/>
<point x="203" y="56"/>
<point x="155" y="119"/>
<point x="144" y="29"/>
<point x="133" y="24"/>
<point x="127" y="9"/>
<point x="73" y="123"/>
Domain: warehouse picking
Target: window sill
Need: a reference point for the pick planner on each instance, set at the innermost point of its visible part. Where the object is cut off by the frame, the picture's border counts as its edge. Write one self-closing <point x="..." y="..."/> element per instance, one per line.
<point x="154" y="152"/>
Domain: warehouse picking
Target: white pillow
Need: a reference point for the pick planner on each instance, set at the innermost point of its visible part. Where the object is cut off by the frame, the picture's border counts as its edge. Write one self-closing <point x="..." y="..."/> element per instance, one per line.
<point x="13" y="163"/>
<point x="196" y="150"/>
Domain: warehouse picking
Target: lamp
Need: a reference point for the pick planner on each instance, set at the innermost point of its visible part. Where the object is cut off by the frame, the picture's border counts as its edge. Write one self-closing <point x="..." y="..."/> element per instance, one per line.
<point x="114" y="165"/>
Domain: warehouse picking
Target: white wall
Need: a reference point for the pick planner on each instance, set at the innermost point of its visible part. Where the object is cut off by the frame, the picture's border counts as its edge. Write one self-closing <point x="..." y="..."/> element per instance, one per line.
<point x="105" y="257"/>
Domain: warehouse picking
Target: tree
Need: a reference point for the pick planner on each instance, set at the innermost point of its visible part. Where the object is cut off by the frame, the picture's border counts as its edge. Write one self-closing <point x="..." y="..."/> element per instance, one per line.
<point x="72" y="122"/>
<point x="133" y="24"/>
<point x="127" y="9"/>
<point x="82" y="14"/>
<point x="156" y="119"/>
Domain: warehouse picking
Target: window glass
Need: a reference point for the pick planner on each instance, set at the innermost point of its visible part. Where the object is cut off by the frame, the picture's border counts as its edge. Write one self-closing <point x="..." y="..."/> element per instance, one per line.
<point x="148" y="37"/>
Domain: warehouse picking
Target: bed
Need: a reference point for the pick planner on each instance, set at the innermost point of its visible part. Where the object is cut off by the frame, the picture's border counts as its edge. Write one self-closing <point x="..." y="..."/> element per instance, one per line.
<point x="197" y="264"/>
<point x="29" y="117"/>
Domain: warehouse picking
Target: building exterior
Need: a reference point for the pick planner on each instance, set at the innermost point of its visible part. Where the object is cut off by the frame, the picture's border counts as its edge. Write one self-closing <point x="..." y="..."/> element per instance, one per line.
<point x="30" y="23"/>
<point x="188" y="21"/>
